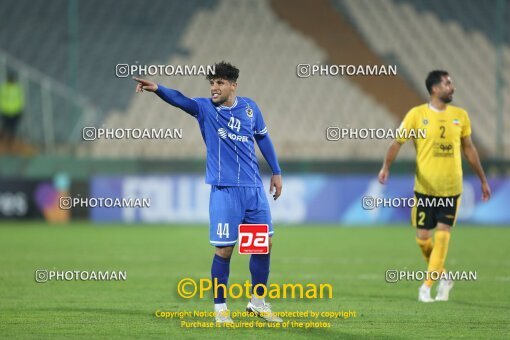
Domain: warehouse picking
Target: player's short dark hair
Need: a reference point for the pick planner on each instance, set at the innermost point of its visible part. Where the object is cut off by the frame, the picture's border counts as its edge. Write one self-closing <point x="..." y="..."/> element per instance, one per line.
<point x="224" y="70"/>
<point x="434" y="78"/>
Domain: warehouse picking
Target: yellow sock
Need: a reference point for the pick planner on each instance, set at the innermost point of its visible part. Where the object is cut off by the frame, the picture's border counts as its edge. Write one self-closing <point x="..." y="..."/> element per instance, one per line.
<point x="426" y="247"/>
<point x="438" y="255"/>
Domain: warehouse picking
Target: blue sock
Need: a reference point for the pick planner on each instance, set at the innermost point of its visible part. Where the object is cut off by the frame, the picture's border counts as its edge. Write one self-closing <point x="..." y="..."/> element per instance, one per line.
<point x="259" y="268"/>
<point x="220" y="270"/>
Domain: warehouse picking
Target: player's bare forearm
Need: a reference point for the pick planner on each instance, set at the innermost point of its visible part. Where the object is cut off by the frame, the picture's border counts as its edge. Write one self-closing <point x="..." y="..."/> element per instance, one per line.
<point x="472" y="157"/>
<point x="391" y="154"/>
<point x="471" y="154"/>
<point x="474" y="161"/>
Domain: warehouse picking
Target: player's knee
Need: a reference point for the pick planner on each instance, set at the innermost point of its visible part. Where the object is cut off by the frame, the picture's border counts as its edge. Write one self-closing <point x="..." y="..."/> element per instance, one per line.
<point x="443" y="227"/>
<point x="225" y="252"/>
<point x="423" y="234"/>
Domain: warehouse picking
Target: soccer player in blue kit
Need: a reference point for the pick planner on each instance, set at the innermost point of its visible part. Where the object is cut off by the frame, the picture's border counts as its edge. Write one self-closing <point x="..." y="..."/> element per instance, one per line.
<point x="230" y="125"/>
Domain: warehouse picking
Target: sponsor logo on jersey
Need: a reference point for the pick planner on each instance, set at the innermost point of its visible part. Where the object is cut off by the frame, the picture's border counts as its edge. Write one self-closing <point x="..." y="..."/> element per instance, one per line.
<point x="446" y="147"/>
<point x="223" y="133"/>
<point x="443" y="150"/>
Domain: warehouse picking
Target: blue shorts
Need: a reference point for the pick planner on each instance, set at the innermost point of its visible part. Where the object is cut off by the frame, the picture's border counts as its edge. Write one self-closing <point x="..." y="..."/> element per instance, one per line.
<point x="231" y="206"/>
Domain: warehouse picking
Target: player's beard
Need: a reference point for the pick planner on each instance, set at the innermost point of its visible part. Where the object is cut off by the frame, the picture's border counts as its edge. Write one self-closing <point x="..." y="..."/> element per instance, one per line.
<point x="447" y="98"/>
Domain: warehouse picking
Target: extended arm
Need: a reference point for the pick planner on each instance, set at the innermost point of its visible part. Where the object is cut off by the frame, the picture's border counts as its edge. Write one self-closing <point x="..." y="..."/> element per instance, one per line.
<point x="471" y="154"/>
<point x="172" y="97"/>
<point x="266" y="147"/>
<point x="177" y="99"/>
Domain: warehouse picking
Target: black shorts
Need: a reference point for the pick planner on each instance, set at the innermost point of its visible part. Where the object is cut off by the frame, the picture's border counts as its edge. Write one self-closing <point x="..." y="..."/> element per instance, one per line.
<point x="431" y="210"/>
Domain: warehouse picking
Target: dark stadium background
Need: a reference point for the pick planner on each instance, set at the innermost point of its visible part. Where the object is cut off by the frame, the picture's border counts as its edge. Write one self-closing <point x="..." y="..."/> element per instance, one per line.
<point x="65" y="55"/>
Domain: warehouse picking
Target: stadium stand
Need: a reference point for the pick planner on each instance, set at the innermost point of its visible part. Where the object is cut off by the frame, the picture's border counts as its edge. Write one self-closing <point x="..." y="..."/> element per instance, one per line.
<point x="108" y="33"/>
<point x="451" y="35"/>
<point x="345" y="46"/>
<point x="136" y="32"/>
<point x="296" y="109"/>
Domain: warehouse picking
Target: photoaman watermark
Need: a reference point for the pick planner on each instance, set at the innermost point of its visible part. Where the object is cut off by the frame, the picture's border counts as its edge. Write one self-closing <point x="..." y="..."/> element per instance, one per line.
<point x="188" y="288"/>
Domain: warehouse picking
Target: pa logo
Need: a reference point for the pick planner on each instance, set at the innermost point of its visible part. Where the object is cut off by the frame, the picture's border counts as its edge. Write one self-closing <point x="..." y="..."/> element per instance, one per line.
<point x="253" y="239"/>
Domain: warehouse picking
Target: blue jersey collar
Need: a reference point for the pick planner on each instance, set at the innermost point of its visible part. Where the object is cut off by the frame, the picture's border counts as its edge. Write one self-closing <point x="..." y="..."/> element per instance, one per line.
<point x="223" y="107"/>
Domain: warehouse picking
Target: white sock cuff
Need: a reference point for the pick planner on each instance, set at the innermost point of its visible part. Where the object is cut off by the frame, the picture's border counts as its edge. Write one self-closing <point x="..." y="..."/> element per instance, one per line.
<point x="218" y="307"/>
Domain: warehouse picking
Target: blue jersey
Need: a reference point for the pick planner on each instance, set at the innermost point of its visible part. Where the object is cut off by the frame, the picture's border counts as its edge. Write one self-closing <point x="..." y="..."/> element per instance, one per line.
<point x="228" y="133"/>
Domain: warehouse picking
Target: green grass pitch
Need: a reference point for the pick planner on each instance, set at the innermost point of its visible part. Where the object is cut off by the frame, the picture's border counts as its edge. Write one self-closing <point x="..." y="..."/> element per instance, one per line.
<point x="353" y="260"/>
